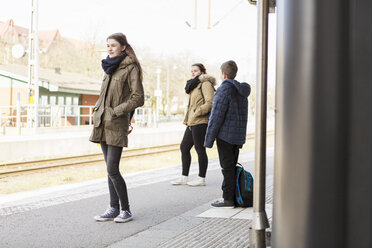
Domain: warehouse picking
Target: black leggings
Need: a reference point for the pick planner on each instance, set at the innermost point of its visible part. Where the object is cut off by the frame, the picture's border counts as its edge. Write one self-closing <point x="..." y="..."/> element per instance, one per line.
<point x="194" y="136"/>
<point x="116" y="183"/>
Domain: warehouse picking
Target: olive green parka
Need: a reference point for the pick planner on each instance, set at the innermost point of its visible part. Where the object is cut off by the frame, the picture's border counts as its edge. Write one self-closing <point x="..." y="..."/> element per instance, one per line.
<point x="199" y="107"/>
<point x="121" y="93"/>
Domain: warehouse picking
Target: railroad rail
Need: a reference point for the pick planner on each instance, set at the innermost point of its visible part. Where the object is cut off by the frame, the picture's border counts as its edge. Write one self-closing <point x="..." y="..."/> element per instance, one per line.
<point x="27" y="166"/>
<point x="36" y="165"/>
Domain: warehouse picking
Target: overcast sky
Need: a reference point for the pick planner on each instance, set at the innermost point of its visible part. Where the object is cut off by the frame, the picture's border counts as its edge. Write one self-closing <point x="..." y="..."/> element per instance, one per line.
<point x="156" y="24"/>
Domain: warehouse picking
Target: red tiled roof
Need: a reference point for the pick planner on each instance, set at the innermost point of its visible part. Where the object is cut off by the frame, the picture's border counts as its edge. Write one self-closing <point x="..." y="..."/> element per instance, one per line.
<point x="16" y="32"/>
<point x="46" y="37"/>
<point x="3" y="28"/>
<point x="19" y="29"/>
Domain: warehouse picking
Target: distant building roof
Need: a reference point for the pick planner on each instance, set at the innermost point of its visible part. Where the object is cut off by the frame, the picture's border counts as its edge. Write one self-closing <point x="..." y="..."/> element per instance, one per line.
<point x="11" y="33"/>
<point x="56" y="80"/>
<point x="47" y="37"/>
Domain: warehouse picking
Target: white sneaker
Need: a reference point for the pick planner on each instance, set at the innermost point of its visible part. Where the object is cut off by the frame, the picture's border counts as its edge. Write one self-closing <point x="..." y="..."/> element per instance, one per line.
<point x="200" y="181"/>
<point x="180" y="181"/>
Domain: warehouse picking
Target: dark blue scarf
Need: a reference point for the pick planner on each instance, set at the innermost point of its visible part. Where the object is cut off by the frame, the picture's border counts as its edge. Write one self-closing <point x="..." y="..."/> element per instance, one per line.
<point x="109" y="65"/>
<point x="191" y="84"/>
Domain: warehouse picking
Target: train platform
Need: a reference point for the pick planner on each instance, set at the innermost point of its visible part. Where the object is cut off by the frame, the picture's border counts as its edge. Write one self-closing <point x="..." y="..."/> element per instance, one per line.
<point x="164" y="215"/>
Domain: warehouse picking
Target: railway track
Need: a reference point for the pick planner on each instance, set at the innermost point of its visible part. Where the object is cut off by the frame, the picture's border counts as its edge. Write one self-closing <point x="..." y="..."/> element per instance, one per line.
<point x="19" y="167"/>
<point x="37" y="165"/>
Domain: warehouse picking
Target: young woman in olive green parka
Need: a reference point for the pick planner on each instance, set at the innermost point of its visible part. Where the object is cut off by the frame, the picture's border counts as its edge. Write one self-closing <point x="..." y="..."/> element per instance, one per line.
<point x="121" y="93"/>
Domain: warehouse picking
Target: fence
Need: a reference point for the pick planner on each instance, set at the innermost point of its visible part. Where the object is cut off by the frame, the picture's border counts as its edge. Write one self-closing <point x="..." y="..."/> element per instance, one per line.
<point x="57" y="115"/>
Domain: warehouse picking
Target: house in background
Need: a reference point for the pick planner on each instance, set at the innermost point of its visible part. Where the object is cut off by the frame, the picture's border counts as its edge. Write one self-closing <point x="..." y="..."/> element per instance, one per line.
<point x="55" y="51"/>
<point x="65" y="79"/>
<point x="56" y="88"/>
<point x="11" y="34"/>
<point x="70" y="74"/>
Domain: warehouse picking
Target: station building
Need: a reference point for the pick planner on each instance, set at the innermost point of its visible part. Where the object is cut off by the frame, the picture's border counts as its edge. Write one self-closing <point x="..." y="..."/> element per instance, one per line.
<point x="61" y="92"/>
<point x="56" y="88"/>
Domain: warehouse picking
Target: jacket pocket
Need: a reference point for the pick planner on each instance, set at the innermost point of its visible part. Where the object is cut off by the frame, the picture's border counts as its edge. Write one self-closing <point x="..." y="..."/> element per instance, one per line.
<point x="116" y="124"/>
<point x="94" y="116"/>
<point x="97" y="117"/>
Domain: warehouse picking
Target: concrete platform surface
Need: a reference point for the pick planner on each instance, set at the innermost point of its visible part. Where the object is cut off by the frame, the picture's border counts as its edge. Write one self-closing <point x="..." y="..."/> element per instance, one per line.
<point x="164" y="215"/>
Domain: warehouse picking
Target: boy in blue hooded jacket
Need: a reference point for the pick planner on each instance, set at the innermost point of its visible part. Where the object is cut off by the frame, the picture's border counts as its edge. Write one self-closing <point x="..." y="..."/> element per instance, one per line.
<point x="228" y="125"/>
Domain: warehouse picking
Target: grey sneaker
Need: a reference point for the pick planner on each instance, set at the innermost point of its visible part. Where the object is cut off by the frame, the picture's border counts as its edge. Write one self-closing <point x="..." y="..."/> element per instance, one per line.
<point x="223" y="204"/>
<point x="110" y="214"/>
<point x="124" y="216"/>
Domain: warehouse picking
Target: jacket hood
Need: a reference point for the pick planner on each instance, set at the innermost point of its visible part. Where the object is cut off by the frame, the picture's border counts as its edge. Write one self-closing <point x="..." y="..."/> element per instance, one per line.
<point x="126" y="61"/>
<point x="209" y="78"/>
<point x="243" y="88"/>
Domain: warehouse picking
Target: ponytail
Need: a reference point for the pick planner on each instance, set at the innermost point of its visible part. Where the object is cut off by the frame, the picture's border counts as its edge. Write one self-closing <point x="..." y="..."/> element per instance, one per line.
<point x="129" y="50"/>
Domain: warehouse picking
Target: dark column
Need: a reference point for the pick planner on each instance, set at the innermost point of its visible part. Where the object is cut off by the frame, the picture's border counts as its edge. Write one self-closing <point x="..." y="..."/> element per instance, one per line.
<point x="359" y="173"/>
<point x="323" y="156"/>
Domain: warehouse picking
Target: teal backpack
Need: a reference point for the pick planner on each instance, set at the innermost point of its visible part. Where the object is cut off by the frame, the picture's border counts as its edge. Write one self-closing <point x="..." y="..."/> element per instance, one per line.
<point x="243" y="187"/>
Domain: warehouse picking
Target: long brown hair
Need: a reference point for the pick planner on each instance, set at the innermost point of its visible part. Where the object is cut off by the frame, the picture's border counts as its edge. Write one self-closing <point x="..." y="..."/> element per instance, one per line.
<point x="122" y="39"/>
<point x="201" y="67"/>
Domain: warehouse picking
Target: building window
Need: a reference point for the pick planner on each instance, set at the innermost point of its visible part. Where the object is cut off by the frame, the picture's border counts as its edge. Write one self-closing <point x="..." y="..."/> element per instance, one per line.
<point x="44" y="100"/>
<point x="61" y="100"/>
<point x="53" y="100"/>
<point x="76" y="100"/>
<point x="68" y="101"/>
<point x="76" y="104"/>
<point x="68" y="105"/>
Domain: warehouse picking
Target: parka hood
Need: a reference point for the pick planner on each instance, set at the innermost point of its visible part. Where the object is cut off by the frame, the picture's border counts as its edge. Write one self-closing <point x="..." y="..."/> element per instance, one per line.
<point x="209" y="78"/>
<point x="126" y="61"/>
<point x="243" y="88"/>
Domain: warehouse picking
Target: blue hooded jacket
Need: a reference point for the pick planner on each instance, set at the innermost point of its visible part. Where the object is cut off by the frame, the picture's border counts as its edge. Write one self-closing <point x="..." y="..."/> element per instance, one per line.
<point x="229" y="115"/>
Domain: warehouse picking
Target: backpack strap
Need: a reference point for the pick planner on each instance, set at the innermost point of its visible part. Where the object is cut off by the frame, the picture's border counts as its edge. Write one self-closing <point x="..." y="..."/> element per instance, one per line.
<point x="130" y="121"/>
<point x="201" y="91"/>
<point x="249" y="180"/>
<point x="247" y="174"/>
<point x="239" y="198"/>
